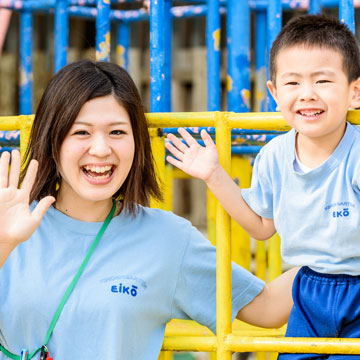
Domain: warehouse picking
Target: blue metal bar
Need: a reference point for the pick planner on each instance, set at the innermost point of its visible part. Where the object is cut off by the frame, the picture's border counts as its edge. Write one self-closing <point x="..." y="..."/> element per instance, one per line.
<point x="61" y="34"/>
<point x="274" y="19"/>
<point x="211" y="130"/>
<point x="260" y="62"/>
<point x="238" y="43"/>
<point x="27" y="5"/>
<point x="167" y="33"/>
<point x="346" y="13"/>
<point x="103" y="30"/>
<point x="123" y="45"/>
<point x="26" y="74"/>
<point x="10" y="138"/>
<point x="157" y="56"/>
<point x="213" y="36"/>
<point x="315" y="7"/>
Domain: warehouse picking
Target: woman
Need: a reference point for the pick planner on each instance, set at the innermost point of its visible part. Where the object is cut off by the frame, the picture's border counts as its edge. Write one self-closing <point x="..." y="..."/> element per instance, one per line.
<point x="92" y="178"/>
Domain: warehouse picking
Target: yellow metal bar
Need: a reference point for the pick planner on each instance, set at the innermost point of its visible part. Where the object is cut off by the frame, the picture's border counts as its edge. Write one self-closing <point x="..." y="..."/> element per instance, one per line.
<point x="25" y="130"/>
<point x="274" y="257"/>
<point x="211" y="216"/>
<point x="294" y="345"/>
<point x="223" y="250"/>
<point x="240" y="239"/>
<point x="196" y="343"/>
<point x="158" y="150"/>
<point x="165" y="355"/>
<point x="9" y="123"/>
<point x="168" y="187"/>
<point x="260" y="259"/>
<point x="181" y="119"/>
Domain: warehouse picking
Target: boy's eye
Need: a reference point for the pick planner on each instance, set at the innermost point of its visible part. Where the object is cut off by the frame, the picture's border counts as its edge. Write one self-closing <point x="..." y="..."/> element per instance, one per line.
<point x="292" y="83"/>
<point x="323" y="81"/>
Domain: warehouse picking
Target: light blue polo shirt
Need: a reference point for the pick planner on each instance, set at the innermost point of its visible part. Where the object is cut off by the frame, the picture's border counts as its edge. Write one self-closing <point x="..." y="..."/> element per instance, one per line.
<point x="316" y="213"/>
<point x="145" y="271"/>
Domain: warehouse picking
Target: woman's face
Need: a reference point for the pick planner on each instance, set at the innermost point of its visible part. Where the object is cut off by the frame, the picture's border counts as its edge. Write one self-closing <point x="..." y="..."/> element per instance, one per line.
<point x="97" y="153"/>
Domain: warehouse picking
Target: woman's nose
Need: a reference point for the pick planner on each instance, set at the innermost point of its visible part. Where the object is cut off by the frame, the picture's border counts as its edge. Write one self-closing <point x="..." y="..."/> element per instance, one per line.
<point x="100" y="147"/>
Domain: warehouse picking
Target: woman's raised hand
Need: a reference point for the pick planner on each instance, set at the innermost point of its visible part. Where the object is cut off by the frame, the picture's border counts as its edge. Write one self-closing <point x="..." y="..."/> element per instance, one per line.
<point x="17" y="222"/>
<point x="192" y="158"/>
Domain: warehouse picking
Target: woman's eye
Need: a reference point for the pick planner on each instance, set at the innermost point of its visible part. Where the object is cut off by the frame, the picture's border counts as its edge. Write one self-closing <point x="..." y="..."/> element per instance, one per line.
<point x="81" y="132"/>
<point x="117" y="132"/>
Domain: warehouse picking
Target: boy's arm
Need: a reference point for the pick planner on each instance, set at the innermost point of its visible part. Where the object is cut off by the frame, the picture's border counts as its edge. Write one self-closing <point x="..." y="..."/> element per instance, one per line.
<point x="271" y="308"/>
<point x="203" y="162"/>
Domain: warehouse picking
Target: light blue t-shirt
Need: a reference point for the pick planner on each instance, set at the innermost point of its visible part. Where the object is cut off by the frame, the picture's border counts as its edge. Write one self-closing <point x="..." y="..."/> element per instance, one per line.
<point x="315" y="213"/>
<point x="145" y="271"/>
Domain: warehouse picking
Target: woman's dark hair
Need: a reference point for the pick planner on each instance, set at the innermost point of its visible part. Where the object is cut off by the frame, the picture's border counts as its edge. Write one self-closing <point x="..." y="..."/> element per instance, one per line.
<point x="318" y="31"/>
<point x="67" y="92"/>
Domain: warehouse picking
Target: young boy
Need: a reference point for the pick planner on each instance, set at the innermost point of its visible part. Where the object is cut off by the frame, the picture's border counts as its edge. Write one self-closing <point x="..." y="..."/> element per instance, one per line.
<point x="306" y="183"/>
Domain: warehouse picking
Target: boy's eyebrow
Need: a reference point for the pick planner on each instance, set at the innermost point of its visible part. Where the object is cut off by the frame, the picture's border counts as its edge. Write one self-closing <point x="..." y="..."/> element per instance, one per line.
<point x="315" y="73"/>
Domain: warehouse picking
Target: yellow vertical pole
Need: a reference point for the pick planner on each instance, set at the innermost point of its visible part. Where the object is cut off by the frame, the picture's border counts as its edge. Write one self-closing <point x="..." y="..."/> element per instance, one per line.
<point x="168" y="187"/>
<point x="211" y="216"/>
<point x="25" y="130"/>
<point x="274" y="257"/>
<point x="223" y="250"/>
<point x="260" y="260"/>
<point x="158" y="150"/>
<point x="240" y="239"/>
<point x="165" y="355"/>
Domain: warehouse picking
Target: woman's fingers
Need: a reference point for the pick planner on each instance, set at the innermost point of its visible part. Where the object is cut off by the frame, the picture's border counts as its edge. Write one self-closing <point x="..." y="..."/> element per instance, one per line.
<point x="174" y="150"/>
<point x="4" y="169"/>
<point x="176" y="142"/>
<point x="30" y="176"/>
<point x="42" y="207"/>
<point x="15" y="168"/>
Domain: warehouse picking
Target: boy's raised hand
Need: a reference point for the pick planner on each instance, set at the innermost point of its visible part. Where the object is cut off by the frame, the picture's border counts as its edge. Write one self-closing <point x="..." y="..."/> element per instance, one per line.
<point x="194" y="159"/>
<point x="17" y="222"/>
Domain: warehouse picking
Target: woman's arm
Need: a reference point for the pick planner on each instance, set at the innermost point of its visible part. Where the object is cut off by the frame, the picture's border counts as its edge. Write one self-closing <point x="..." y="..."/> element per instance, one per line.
<point x="271" y="308"/>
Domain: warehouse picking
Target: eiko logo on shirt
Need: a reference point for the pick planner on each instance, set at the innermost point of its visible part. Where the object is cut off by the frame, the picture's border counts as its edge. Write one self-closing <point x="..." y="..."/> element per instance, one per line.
<point x="341" y="209"/>
<point x="125" y="285"/>
<point x="124" y="289"/>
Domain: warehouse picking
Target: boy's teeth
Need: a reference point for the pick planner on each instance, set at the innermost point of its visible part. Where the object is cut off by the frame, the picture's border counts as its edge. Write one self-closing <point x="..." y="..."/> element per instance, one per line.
<point x="310" y="113"/>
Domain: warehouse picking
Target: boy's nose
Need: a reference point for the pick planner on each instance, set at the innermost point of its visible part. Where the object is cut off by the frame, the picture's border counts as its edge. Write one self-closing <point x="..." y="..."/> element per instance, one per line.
<point x="100" y="147"/>
<point x="308" y="94"/>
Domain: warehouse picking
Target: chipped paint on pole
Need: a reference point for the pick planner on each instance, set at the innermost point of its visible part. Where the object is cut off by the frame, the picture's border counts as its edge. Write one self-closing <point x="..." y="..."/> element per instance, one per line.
<point x="26" y="72"/>
<point x="213" y="55"/>
<point x="103" y="30"/>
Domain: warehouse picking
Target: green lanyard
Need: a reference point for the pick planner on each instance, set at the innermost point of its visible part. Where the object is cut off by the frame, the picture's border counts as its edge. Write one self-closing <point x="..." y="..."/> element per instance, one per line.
<point x="68" y="291"/>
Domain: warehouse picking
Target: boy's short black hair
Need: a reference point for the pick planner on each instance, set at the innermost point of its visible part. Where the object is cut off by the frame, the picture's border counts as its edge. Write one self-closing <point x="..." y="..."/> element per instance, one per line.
<point x="318" y="31"/>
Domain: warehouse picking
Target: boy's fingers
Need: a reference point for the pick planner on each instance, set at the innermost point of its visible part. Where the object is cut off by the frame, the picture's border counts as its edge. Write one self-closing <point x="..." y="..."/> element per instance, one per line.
<point x="177" y="142"/>
<point x="15" y="168"/>
<point x="4" y="169"/>
<point x="30" y="176"/>
<point x="208" y="141"/>
<point x="178" y="154"/>
<point x="187" y="137"/>
<point x="42" y="207"/>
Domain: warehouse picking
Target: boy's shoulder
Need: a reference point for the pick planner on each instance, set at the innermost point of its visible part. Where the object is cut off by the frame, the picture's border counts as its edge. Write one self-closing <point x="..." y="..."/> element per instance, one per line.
<point x="279" y="145"/>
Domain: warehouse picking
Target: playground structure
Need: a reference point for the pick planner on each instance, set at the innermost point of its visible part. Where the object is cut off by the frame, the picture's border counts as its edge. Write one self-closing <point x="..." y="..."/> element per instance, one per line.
<point x="268" y="20"/>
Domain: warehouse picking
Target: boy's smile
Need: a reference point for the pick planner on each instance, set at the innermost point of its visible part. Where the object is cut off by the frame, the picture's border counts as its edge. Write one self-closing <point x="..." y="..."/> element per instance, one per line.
<point x="313" y="93"/>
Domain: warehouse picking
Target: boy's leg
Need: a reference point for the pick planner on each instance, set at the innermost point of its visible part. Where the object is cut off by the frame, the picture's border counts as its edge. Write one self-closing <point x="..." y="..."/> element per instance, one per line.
<point x="312" y="313"/>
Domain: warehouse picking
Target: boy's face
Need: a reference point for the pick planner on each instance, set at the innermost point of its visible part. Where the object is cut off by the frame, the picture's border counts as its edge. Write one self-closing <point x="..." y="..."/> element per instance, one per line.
<point x="313" y="92"/>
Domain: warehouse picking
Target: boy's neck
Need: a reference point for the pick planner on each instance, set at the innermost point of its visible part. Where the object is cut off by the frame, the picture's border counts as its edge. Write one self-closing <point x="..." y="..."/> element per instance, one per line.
<point x="312" y="152"/>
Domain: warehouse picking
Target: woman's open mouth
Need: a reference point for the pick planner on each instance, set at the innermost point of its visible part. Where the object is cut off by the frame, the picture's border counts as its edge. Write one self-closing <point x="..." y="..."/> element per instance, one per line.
<point x="98" y="172"/>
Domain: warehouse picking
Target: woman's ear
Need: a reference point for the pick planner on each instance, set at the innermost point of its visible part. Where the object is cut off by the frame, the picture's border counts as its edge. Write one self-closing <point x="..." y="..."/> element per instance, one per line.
<point x="355" y="99"/>
<point x="273" y="93"/>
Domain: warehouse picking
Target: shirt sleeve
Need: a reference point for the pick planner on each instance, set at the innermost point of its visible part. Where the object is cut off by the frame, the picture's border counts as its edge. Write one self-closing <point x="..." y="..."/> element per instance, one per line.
<point x="195" y="292"/>
<point x="260" y="194"/>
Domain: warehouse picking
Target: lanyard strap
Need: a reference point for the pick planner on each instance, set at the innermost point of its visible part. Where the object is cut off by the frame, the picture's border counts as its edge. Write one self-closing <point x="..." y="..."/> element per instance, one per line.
<point x="69" y="289"/>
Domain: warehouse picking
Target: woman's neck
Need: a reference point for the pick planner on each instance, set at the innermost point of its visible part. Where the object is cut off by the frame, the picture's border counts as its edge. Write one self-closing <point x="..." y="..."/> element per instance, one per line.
<point x="90" y="211"/>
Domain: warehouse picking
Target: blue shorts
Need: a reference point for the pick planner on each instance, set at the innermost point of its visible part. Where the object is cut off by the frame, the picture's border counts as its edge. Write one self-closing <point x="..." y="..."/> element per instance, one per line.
<point x="325" y="305"/>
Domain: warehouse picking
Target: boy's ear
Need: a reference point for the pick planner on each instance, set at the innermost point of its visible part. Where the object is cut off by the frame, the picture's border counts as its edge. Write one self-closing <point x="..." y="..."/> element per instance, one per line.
<point x="355" y="100"/>
<point x="272" y="90"/>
